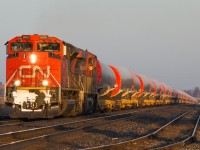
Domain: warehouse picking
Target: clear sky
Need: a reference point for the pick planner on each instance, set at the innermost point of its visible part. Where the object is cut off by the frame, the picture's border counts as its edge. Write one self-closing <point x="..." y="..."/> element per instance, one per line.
<point x="158" y="38"/>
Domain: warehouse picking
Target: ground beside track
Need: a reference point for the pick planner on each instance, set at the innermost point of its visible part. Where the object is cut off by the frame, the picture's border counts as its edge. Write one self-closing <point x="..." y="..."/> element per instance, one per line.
<point x="2" y="108"/>
<point x="4" y="111"/>
<point x="113" y="133"/>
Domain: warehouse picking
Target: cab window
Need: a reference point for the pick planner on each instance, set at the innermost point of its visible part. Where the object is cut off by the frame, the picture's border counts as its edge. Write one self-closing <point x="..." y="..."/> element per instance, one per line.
<point x="48" y="47"/>
<point x="21" y="46"/>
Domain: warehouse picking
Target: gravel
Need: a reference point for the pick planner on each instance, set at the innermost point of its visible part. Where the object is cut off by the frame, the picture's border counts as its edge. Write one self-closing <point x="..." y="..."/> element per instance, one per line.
<point x="116" y="132"/>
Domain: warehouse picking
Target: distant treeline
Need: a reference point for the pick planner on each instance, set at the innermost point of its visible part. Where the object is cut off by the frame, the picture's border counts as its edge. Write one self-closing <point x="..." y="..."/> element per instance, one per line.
<point x="1" y="89"/>
<point x="195" y="92"/>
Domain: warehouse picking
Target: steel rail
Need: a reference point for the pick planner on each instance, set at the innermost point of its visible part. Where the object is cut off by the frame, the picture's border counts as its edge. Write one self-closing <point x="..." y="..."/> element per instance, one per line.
<point x="9" y="123"/>
<point x="70" y="123"/>
<point x="22" y="143"/>
<point x="183" y="142"/>
<point x="6" y="118"/>
<point x="33" y="140"/>
<point x="122" y="145"/>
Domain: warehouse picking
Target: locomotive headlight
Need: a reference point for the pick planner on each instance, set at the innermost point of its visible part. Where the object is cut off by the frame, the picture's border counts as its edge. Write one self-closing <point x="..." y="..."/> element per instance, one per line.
<point x="45" y="83"/>
<point x="33" y="58"/>
<point x="17" y="83"/>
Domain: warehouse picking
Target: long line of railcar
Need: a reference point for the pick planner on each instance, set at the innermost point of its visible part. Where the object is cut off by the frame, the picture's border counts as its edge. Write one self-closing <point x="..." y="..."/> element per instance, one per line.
<point x="48" y="77"/>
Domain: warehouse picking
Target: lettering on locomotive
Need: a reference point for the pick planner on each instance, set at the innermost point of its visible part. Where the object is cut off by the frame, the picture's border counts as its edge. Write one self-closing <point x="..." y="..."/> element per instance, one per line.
<point x="35" y="68"/>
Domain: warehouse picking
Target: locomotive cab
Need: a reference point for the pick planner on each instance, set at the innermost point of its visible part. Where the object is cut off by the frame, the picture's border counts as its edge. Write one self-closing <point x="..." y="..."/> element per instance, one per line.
<point x="47" y="77"/>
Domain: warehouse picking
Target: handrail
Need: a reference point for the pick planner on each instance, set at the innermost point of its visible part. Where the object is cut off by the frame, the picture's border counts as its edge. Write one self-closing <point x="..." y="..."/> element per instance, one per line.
<point x="11" y="77"/>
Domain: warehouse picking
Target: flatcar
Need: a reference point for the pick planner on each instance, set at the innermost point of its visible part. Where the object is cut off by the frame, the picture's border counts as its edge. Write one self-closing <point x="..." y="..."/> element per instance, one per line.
<point x="48" y="77"/>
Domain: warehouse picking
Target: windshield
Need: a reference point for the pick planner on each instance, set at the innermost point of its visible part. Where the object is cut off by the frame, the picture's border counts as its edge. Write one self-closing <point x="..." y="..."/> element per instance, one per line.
<point x="20" y="47"/>
<point x="48" y="46"/>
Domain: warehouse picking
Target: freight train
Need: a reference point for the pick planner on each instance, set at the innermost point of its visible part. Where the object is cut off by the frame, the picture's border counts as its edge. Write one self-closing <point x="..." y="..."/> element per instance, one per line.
<point x="48" y="77"/>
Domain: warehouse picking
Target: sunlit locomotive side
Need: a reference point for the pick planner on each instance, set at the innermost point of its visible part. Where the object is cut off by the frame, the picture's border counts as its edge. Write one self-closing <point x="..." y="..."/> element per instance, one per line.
<point x="47" y="77"/>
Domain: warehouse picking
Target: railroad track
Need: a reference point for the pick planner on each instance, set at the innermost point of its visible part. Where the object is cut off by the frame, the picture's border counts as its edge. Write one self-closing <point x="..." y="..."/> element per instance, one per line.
<point x="6" y="122"/>
<point x="9" y="122"/>
<point x="155" y="140"/>
<point x="22" y="138"/>
<point x="180" y="144"/>
<point x="19" y="139"/>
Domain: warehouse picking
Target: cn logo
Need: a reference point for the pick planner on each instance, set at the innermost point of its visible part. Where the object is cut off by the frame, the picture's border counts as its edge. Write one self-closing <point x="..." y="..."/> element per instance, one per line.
<point x="46" y="74"/>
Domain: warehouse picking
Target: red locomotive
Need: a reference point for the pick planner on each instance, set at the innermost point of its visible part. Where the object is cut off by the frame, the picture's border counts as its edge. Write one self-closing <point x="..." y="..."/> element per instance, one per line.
<point x="48" y="77"/>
